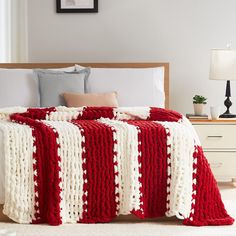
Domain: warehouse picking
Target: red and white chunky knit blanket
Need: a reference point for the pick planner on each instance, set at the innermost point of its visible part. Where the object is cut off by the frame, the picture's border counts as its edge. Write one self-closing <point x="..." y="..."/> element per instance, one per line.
<point x="89" y="165"/>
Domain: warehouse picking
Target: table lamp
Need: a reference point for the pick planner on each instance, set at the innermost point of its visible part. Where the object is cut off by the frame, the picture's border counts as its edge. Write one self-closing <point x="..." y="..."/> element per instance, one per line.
<point x="223" y="67"/>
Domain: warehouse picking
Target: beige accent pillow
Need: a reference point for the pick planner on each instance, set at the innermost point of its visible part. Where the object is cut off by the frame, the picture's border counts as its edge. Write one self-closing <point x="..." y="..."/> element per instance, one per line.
<point x="91" y="99"/>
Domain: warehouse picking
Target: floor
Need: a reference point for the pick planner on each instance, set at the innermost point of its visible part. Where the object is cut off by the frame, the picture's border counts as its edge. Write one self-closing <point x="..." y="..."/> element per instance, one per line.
<point x="161" y="227"/>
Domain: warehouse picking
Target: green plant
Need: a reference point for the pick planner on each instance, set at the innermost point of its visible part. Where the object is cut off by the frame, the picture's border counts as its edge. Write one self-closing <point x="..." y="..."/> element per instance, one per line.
<point x="198" y="99"/>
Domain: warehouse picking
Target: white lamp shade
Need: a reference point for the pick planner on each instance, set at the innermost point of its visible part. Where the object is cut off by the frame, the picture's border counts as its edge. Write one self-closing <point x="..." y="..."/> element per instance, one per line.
<point x="223" y="64"/>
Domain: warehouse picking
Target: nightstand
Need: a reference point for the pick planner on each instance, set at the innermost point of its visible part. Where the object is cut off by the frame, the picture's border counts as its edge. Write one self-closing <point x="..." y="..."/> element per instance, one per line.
<point x="218" y="139"/>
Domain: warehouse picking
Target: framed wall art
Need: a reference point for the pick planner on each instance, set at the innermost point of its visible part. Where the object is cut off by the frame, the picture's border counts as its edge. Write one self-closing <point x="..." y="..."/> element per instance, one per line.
<point x="74" y="6"/>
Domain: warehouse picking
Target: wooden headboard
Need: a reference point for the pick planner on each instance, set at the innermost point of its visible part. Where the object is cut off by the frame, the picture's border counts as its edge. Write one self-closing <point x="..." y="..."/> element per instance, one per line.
<point x="97" y="65"/>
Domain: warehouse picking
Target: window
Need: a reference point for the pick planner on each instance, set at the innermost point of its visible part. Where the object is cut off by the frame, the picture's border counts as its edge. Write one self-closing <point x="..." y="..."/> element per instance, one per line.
<point x="13" y="31"/>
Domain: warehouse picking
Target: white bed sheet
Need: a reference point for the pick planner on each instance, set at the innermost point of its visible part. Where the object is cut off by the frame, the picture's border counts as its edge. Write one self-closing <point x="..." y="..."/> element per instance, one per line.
<point x="2" y="169"/>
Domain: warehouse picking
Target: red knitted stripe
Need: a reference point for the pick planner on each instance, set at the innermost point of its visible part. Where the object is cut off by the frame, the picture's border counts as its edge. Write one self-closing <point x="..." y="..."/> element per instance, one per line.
<point x="93" y="113"/>
<point x="38" y="113"/>
<point x="38" y="177"/>
<point x="101" y="205"/>
<point x="160" y="114"/>
<point x="47" y="190"/>
<point x="209" y="208"/>
<point x="153" y="167"/>
<point x="53" y="178"/>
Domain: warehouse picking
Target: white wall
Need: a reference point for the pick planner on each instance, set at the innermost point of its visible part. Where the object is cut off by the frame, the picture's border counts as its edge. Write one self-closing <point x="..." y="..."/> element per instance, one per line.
<point x="3" y="38"/>
<point x="181" y="32"/>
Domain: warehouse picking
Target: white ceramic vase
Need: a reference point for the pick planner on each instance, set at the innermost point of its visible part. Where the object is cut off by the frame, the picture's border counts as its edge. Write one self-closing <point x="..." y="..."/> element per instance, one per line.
<point x="198" y="109"/>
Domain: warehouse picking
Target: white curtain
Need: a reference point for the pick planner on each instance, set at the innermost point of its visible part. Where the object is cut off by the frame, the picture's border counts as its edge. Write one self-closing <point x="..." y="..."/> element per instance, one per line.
<point x="13" y="31"/>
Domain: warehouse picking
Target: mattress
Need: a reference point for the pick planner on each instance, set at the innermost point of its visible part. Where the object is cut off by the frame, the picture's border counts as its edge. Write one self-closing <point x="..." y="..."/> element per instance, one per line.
<point x="2" y="171"/>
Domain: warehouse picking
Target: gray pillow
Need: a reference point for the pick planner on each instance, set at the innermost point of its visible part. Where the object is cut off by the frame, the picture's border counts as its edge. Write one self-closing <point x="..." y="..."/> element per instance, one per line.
<point x="52" y="84"/>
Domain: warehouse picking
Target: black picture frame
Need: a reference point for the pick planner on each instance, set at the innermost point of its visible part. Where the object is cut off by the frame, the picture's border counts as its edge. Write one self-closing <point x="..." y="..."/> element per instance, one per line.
<point x="77" y="10"/>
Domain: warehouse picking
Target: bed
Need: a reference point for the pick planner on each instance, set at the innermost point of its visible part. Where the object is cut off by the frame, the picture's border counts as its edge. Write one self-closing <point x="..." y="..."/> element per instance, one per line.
<point x="92" y="164"/>
<point x="65" y="65"/>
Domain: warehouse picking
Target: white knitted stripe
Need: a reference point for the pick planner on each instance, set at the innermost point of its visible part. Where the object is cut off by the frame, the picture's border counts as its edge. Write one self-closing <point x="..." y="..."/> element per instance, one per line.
<point x="19" y="187"/>
<point x="194" y="192"/>
<point x="7" y="111"/>
<point x="70" y="151"/>
<point x="35" y="176"/>
<point x="181" y="142"/>
<point x="128" y="166"/>
<point x="65" y="113"/>
<point x="131" y="113"/>
<point x="168" y="167"/>
<point x="141" y="204"/>
<point x="188" y="124"/>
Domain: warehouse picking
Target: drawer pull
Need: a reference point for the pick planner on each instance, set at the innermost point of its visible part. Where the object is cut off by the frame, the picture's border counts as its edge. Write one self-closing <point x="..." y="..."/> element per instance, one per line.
<point x="214" y="136"/>
<point x="216" y="165"/>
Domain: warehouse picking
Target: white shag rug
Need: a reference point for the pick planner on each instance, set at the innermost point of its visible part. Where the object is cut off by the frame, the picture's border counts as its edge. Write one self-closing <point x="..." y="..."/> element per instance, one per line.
<point x="137" y="228"/>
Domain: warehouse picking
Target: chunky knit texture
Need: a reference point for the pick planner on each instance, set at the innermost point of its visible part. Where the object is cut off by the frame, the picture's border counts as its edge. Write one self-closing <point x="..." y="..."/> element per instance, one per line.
<point x="88" y="165"/>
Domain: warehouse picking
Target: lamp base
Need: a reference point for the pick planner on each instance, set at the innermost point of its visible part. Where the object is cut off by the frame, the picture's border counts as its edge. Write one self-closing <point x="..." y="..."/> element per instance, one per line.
<point x="228" y="103"/>
<point x="227" y="115"/>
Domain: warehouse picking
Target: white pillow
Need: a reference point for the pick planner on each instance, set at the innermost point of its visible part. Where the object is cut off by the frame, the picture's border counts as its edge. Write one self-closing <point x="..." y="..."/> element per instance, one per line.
<point x="18" y="87"/>
<point x="134" y="86"/>
<point x="65" y="69"/>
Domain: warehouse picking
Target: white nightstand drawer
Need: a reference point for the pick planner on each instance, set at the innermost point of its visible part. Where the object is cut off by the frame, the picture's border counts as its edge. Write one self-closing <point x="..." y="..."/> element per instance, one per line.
<point x="217" y="136"/>
<point x="223" y="164"/>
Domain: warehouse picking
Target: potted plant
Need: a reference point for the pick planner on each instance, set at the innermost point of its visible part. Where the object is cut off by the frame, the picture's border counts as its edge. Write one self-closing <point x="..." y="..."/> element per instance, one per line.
<point x="198" y="104"/>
